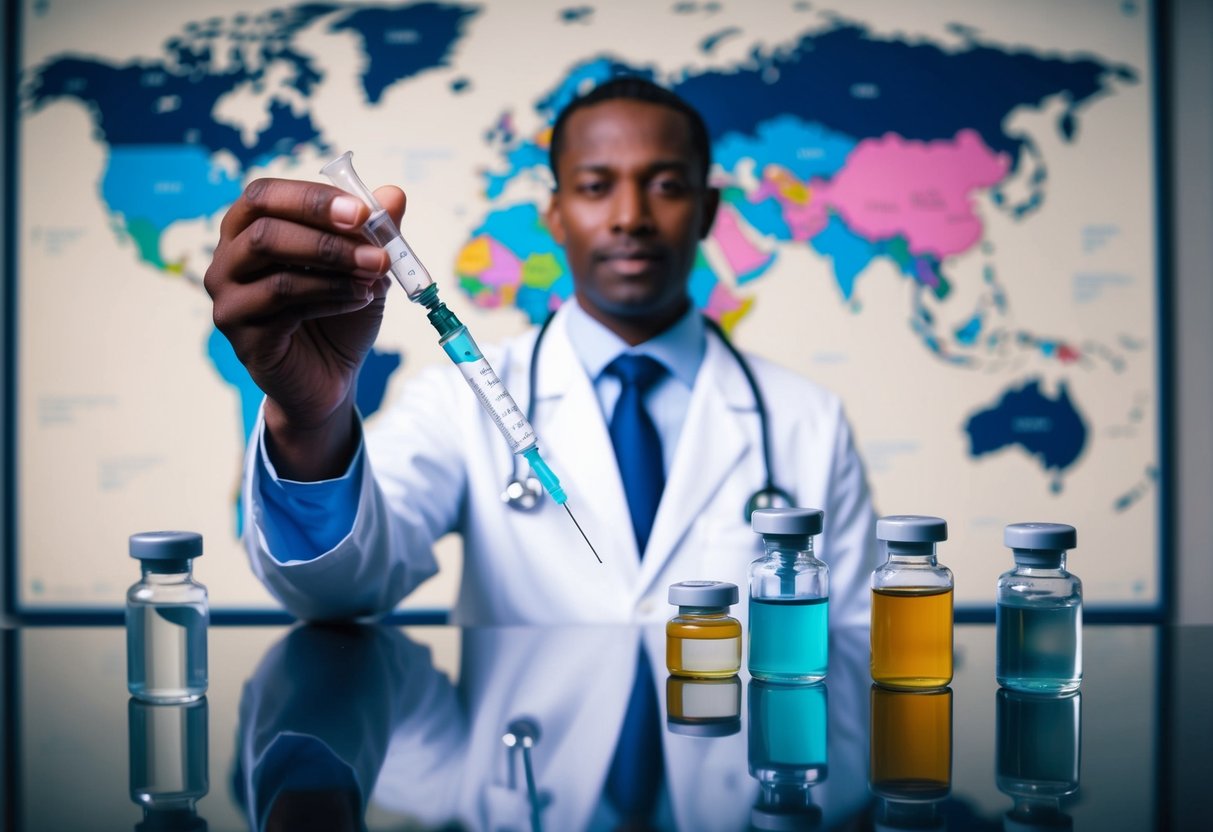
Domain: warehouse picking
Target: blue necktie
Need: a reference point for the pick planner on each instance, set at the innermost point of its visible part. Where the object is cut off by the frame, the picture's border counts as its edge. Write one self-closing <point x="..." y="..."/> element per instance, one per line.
<point x="637" y="444"/>
<point x="636" y="769"/>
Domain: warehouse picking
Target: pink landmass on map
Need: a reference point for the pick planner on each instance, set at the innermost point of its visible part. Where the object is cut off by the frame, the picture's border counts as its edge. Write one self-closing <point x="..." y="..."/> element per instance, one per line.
<point x="743" y="257"/>
<point x="504" y="268"/>
<point x="921" y="191"/>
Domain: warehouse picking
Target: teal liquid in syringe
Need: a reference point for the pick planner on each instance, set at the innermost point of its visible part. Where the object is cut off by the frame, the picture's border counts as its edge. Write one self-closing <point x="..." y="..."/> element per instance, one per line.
<point x="454" y="337"/>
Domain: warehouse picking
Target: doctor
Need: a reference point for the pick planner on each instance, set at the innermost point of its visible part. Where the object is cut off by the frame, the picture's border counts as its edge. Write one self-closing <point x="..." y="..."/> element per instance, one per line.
<point x="341" y="522"/>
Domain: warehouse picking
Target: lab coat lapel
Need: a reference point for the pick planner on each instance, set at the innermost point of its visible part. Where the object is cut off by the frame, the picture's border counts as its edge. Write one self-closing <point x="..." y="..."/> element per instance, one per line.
<point x="582" y="453"/>
<point x="713" y="439"/>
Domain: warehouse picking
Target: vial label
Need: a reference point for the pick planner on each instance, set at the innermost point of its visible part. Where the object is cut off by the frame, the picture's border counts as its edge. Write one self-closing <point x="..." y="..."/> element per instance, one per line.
<point x="789" y="638"/>
<point x="912" y="637"/>
<point x="166" y="652"/>
<point x="704" y="699"/>
<point x="713" y="655"/>
<point x="1039" y="648"/>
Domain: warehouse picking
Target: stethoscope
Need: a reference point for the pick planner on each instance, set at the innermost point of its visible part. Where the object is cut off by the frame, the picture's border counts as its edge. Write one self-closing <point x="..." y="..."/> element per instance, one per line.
<point x="520" y="736"/>
<point x="524" y="493"/>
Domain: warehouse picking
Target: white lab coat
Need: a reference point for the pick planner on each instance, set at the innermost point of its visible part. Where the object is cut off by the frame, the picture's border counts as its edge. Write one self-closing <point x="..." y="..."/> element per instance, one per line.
<point x="436" y="463"/>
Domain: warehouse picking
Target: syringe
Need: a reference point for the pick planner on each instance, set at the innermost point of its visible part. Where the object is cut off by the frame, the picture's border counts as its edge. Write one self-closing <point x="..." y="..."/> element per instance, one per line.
<point x="454" y="337"/>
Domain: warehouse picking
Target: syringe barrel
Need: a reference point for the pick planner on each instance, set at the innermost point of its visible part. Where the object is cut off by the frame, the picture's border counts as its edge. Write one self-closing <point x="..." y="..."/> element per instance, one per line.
<point x="405" y="267"/>
<point x="380" y="229"/>
<point x="489" y="389"/>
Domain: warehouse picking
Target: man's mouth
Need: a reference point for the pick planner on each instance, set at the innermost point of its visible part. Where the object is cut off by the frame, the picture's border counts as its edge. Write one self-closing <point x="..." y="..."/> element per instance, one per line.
<point x="630" y="261"/>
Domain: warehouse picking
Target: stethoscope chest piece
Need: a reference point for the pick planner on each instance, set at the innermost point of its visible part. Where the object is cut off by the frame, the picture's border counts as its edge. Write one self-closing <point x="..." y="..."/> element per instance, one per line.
<point x="772" y="496"/>
<point x="523" y="494"/>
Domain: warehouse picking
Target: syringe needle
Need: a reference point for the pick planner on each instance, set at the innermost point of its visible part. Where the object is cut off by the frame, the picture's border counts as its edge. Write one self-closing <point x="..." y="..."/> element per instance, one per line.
<point x="583" y="537"/>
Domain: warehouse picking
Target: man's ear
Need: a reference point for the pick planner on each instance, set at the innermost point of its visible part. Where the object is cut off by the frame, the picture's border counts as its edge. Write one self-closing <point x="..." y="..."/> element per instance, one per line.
<point x="711" y="202"/>
<point x="551" y="218"/>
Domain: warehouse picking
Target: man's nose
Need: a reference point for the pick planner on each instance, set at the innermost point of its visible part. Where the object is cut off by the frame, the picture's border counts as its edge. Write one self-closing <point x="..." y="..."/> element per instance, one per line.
<point x="631" y="210"/>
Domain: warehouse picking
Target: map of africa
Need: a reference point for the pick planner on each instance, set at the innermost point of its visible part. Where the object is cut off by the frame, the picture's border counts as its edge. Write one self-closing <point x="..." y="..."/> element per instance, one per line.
<point x="949" y="221"/>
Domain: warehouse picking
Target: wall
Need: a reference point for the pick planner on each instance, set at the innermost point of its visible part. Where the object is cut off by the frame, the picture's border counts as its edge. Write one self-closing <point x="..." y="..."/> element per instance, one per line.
<point x="1189" y="30"/>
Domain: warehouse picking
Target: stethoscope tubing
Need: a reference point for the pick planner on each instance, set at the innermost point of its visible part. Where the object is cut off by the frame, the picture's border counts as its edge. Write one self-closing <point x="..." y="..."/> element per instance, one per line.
<point x="525" y="498"/>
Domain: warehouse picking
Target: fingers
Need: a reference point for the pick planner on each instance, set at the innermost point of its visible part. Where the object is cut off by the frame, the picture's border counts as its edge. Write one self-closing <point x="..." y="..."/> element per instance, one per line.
<point x="293" y="295"/>
<point x="269" y="241"/>
<point x="308" y="203"/>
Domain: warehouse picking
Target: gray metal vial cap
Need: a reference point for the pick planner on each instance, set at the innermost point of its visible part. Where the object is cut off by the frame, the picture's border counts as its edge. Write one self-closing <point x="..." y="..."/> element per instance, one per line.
<point x="166" y="545"/>
<point x="703" y="594"/>
<point x="911" y="528"/>
<point x="788" y="521"/>
<point x="1046" y="537"/>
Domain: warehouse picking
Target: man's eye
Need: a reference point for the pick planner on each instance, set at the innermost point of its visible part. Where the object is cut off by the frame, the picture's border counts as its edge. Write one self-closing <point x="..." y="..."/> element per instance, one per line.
<point x="591" y="187"/>
<point x="671" y="187"/>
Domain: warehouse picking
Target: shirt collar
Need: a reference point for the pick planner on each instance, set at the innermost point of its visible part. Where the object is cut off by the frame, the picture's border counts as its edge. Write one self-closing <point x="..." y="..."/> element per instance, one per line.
<point x="680" y="348"/>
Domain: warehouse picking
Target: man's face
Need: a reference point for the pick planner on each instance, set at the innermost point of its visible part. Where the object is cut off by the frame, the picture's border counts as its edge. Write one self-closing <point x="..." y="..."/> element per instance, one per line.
<point x="630" y="209"/>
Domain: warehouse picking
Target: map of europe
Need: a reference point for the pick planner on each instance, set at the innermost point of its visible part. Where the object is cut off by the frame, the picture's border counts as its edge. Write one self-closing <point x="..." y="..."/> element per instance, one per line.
<point x="858" y="147"/>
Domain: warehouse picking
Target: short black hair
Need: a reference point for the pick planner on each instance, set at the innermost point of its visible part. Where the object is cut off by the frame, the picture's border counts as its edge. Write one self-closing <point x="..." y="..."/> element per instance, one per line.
<point x="633" y="88"/>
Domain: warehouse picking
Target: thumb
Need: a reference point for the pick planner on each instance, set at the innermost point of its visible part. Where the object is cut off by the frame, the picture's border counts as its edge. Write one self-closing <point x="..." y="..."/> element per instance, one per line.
<point x="393" y="200"/>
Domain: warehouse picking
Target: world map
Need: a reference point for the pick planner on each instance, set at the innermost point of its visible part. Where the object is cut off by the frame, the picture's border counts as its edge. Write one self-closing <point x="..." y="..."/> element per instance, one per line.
<point x="861" y="149"/>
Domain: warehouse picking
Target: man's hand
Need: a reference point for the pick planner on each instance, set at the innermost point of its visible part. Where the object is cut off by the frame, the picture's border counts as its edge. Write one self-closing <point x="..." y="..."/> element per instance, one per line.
<point x="300" y="296"/>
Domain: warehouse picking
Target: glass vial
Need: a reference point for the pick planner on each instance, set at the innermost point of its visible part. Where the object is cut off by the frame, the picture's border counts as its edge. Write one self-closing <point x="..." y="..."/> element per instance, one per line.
<point x="1039" y="612"/>
<point x="703" y="640"/>
<point x="169" y="769"/>
<point x="910" y="757"/>
<point x="1038" y="741"/>
<point x="787" y="753"/>
<point x="911" y="606"/>
<point x="789" y="598"/>
<point x="166" y="620"/>
<point x="703" y="707"/>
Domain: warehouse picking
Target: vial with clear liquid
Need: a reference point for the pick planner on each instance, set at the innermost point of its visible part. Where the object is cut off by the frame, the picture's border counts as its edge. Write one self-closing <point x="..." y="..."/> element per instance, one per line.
<point x="1038" y="618"/>
<point x="911" y="606"/>
<point x="1037" y="744"/>
<point x="166" y="620"/>
<point x="789" y="598"/>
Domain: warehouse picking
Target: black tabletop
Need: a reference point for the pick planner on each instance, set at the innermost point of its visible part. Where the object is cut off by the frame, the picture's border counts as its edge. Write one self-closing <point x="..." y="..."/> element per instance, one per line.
<point x="351" y="727"/>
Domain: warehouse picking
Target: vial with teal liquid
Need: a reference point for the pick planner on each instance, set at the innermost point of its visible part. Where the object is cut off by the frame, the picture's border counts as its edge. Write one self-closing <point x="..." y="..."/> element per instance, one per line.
<point x="789" y="598"/>
<point x="1038" y="617"/>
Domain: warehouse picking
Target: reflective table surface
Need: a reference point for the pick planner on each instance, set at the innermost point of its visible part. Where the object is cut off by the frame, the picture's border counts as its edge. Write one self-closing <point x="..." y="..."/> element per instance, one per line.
<point x="389" y="728"/>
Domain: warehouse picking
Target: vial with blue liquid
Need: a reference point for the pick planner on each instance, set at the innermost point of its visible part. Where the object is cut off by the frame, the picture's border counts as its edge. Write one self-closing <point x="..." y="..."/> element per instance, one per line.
<point x="1039" y="612"/>
<point x="789" y="598"/>
<point x="166" y="620"/>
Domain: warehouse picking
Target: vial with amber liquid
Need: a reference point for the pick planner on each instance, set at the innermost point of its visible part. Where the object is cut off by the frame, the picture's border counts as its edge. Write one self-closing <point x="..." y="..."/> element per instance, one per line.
<point x="911" y="606"/>
<point x="703" y="640"/>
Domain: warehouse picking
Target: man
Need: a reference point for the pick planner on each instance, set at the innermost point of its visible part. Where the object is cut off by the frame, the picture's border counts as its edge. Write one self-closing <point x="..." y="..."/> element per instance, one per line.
<point x="339" y="527"/>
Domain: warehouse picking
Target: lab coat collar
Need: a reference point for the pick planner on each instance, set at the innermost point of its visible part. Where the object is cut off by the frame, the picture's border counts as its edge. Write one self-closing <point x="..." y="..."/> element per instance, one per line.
<point x="713" y="439"/>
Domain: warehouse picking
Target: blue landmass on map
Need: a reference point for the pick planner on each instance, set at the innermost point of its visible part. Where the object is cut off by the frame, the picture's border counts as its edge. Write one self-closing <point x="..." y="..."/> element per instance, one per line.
<point x="849" y="252"/>
<point x="1050" y="429"/>
<point x="372" y="379"/>
<point x="163" y="184"/>
<point x="372" y="383"/>
<point x="806" y="149"/>
<point x="402" y="41"/>
<point x="917" y="90"/>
